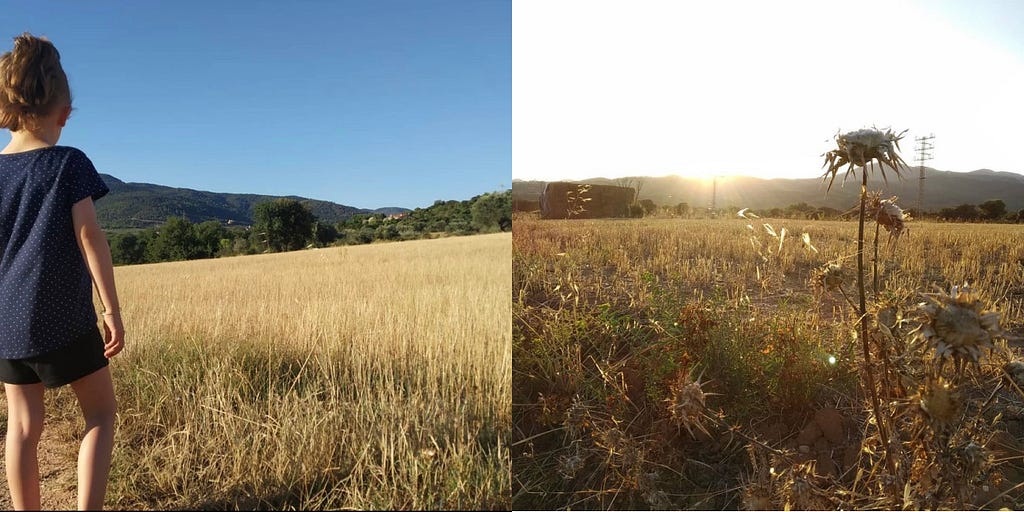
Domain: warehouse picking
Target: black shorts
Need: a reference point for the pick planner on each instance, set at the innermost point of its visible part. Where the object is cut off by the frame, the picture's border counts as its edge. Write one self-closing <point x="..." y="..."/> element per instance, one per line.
<point x="81" y="357"/>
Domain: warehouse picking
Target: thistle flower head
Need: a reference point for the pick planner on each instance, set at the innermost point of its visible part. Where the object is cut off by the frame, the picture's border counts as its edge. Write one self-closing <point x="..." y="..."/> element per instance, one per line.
<point x="860" y="147"/>
<point x="686" y="403"/>
<point x="973" y="457"/>
<point x="957" y="325"/>
<point x="888" y="215"/>
<point x="830" y="277"/>
<point x="569" y="465"/>
<point x="577" y="418"/>
<point x="940" y="403"/>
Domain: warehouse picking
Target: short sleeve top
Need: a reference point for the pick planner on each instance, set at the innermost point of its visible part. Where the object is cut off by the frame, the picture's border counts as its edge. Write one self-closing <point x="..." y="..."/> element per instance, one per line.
<point x="45" y="287"/>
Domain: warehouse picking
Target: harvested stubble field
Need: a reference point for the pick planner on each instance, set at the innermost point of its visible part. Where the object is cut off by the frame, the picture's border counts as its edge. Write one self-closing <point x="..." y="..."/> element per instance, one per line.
<point x="714" y="364"/>
<point x="370" y="377"/>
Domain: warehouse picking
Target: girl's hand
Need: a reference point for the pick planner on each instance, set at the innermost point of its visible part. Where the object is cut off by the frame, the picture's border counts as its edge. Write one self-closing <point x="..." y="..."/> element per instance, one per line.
<point x="113" y="334"/>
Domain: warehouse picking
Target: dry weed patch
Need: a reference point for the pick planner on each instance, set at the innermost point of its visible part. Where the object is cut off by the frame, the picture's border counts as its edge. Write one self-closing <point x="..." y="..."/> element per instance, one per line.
<point x="718" y="364"/>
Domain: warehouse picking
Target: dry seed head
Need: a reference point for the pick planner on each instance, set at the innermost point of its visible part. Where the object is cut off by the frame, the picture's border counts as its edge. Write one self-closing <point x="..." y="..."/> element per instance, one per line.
<point x="957" y="325"/>
<point x="577" y="418"/>
<point x="940" y="403"/>
<point x="973" y="456"/>
<point x="569" y="465"/>
<point x="888" y="215"/>
<point x="612" y="440"/>
<point x="860" y="147"/>
<point x="686" y="403"/>
<point x="806" y="238"/>
<point x="830" y="277"/>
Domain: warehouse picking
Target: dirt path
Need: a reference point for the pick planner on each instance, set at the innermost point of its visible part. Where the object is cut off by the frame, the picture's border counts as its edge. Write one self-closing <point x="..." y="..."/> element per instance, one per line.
<point x="57" y="466"/>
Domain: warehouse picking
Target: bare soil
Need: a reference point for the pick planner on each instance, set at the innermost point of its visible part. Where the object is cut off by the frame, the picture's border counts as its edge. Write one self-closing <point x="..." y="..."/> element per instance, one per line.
<point x="58" y="459"/>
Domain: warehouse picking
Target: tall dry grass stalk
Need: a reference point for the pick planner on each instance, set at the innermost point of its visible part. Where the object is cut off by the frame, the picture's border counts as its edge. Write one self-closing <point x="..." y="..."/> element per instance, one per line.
<point x="370" y="377"/>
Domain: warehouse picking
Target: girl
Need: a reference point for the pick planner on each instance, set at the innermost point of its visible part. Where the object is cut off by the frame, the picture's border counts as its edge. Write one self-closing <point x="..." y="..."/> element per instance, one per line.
<point x="52" y="252"/>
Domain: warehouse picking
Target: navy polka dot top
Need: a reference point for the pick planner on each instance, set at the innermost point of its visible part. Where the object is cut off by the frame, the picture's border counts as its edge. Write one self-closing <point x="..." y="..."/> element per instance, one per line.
<point x="45" y="288"/>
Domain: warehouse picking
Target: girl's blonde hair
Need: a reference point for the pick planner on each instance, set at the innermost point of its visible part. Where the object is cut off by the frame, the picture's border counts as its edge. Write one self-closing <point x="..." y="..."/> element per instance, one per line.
<point x="32" y="83"/>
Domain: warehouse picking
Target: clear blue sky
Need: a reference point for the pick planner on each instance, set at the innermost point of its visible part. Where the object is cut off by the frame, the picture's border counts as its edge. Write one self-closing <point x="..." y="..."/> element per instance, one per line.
<point x="364" y="103"/>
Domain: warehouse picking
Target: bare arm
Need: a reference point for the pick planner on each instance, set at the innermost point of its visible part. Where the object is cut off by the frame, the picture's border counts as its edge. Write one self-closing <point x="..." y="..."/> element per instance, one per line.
<point x="96" y="253"/>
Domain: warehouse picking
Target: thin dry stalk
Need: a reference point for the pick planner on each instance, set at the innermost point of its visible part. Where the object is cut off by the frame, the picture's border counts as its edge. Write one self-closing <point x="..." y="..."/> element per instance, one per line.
<point x="864" y="325"/>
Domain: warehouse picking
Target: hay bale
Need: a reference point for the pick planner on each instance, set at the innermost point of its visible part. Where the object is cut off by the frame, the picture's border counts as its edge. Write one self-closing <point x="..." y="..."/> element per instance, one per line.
<point x="563" y="200"/>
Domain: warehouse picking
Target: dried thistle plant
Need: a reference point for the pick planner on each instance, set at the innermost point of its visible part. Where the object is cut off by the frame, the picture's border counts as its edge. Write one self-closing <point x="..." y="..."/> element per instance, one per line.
<point x="958" y="325"/>
<point x="940" y="403"/>
<point x="686" y="403"/>
<point x="888" y="215"/>
<point x="831" y="277"/>
<point x="861" y="147"/>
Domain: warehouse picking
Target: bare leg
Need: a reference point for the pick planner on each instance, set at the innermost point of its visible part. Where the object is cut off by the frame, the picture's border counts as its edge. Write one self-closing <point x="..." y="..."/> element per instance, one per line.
<point x="95" y="394"/>
<point x="24" y="428"/>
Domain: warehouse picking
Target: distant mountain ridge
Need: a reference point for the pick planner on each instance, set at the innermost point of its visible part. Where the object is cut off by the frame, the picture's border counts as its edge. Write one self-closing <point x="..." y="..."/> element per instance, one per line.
<point x="942" y="189"/>
<point x="140" y="205"/>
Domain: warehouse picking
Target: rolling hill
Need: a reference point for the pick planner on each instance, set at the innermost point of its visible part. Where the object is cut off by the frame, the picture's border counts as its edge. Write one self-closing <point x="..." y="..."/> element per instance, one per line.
<point x="140" y="205"/>
<point x="942" y="189"/>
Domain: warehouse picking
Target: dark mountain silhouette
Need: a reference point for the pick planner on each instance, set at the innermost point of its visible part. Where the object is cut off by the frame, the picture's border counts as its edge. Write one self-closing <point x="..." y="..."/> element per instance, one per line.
<point x="139" y="205"/>
<point x="942" y="189"/>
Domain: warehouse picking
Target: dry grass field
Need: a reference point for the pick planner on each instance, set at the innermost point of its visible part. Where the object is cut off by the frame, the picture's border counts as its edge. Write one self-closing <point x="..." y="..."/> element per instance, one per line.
<point x="369" y="377"/>
<point x="717" y="364"/>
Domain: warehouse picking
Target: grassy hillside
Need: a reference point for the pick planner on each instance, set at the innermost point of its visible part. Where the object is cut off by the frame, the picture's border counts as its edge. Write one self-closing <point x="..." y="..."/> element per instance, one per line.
<point x="139" y="205"/>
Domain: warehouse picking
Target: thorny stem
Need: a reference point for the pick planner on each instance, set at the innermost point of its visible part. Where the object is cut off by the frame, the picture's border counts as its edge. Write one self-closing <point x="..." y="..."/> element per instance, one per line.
<point x="874" y="263"/>
<point x="850" y="302"/>
<point x="882" y="347"/>
<point x="864" y="324"/>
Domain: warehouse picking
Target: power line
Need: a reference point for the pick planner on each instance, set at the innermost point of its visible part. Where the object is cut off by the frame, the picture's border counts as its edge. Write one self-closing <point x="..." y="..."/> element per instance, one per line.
<point x="924" y="149"/>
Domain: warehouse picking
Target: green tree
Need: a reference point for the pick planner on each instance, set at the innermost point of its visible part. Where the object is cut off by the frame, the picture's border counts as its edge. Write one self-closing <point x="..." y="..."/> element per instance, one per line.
<point x="364" y="236"/>
<point x="324" y="234"/>
<point x="208" y="236"/>
<point x="994" y="209"/>
<point x="964" y="212"/>
<point x="492" y="212"/>
<point x="682" y="209"/>
<point x="648" y="206"/>
<point x="174" y="241"/>
<point x="283" y="224"/>
<point x="127" y="249"/>
<point x="387" y="232"/>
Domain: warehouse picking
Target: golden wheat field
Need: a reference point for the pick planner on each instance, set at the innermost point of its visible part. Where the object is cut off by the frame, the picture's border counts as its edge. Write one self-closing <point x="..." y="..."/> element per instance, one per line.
<point x="369" y="377"/>
<point x="674" y="363"/>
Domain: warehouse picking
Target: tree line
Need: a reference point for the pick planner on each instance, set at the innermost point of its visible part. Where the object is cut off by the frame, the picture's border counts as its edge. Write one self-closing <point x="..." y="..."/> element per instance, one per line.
<point x="994" y="210"/>
<point x="287" y="225"/>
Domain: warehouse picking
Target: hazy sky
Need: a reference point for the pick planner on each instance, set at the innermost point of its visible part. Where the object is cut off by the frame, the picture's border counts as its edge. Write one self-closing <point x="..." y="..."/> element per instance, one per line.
<point x="699" y="88"/>
<point x="368" y="103"/>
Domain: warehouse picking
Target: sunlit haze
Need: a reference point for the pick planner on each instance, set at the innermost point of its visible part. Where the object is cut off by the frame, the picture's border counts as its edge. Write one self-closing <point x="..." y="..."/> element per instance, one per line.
<point x="608" y="89"/>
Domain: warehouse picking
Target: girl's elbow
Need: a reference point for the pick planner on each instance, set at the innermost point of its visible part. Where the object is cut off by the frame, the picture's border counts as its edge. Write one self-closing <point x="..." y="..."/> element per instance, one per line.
<point x="89" y="235"/>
